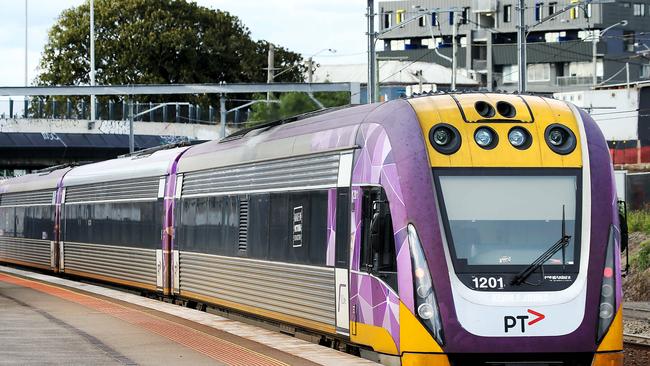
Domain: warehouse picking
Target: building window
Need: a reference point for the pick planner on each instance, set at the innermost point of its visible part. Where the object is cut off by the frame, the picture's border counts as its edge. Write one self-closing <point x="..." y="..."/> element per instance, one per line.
<point x="510" y="74"/>
<point x="539" y="72"/>
<point x="387" y="20"/>
<point x="451" y="17"/>
<point x="422" y="21"/>
<point x="507" y="13"/>
<point x="399" y="16"/>
<point x="465" y="16"/>
<point x="645" y="71"/>
<point x="639" y="10"/>
<point x="588" y="11"/>
<point x="625" y="4"/>
<point x="575" y="11"/>
<point x="434" y="19"/>
<point x="539" y="7"/>
<point x="552" y="8"/>
<point x="628" y="41"/>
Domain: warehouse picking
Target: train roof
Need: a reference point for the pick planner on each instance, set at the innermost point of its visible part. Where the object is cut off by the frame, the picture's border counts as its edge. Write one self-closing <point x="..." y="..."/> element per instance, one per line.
<point x="47" y="179"/>
<point x="135" y="166"/>
<point x="327" y="131"/>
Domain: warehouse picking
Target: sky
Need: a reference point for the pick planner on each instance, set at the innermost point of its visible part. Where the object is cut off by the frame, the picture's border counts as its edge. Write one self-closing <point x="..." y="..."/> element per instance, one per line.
<point x="306" y="27"/>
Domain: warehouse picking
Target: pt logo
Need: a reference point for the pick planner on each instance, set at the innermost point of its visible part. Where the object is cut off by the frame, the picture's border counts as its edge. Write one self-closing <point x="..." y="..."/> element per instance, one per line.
<point x="510" y="321"/>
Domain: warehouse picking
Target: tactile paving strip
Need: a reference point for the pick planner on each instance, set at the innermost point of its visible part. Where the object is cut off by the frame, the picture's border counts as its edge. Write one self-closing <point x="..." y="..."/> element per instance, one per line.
<point x="218" y="349"/>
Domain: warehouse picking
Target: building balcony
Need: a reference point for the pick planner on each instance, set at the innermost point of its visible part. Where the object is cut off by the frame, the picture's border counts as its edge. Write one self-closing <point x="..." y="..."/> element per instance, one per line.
<point x="569" y="81"/>
<point x="479" y="65"/>
<point x="484" y="6"/>
<point x="480" y="35"/>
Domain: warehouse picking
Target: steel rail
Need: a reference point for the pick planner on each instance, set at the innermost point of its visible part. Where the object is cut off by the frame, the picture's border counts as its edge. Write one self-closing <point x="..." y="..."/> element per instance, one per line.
<point x="636" y="339"/>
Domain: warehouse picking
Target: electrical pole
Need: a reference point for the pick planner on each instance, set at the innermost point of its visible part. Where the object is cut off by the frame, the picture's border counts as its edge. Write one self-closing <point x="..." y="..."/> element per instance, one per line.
<point x="521" y="46"/>
<point x="131" y="136"/>
<point x="310" y="70"/>
<point x="92" y="59"/>
<point x="372" y="62"/>
<point x="594" y="58"/>
<point x="222" y="110"/>
<point x="270" y="70"/>
<point x="26" y="26"/>
<point x="454" y="49"/>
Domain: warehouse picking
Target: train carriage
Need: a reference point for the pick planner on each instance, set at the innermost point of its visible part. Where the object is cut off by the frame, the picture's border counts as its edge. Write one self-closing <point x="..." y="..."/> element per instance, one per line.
<point x="450" y="229"/>
<point x="113" y="220"/>
<point x="28" y="219"/>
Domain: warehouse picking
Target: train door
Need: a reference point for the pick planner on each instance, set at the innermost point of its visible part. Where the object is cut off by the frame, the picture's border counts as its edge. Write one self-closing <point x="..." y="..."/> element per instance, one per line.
<point x="378" y="257"/>
<point x="343" y="243"/>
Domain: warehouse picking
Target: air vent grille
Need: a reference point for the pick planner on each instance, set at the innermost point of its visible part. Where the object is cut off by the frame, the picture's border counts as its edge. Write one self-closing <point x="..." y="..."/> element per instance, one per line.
<point x="293" y="173"/>
<point x="43" y="197"/>
<point x="141" y="188"/>
<point x="243" y="224"/>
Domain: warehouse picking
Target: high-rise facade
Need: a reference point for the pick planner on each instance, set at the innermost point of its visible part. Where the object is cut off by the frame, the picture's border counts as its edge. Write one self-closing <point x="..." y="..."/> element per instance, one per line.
<point x="560" y="49"/>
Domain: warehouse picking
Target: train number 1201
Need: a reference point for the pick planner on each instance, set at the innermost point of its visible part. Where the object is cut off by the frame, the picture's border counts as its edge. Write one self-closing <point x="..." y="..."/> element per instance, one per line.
<point x="488" y="282"/>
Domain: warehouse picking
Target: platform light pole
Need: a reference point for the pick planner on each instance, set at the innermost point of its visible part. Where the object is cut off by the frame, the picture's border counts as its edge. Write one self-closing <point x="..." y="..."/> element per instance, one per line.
<point x="594" y="48"/>
<point x="92" y="59"/>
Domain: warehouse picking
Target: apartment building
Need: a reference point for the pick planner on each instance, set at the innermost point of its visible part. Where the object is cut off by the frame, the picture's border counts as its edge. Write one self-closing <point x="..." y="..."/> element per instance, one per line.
<point x="559" y="50"/>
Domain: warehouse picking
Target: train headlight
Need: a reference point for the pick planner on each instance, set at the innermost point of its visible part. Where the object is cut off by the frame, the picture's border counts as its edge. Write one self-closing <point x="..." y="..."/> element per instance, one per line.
<point x="560" y="139"/>
<point x="445" y="138"/>
<point x="425" y="311"/>
<point x="519" y="138"/>
<point x="442" y="136"/>
<point x="425" y="298"/>
<point x="607" y="307"/>
<point x="485" y="137"/>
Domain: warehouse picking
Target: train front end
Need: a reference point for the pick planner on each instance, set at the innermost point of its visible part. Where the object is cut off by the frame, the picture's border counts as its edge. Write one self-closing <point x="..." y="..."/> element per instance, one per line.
<point x="518" y="261"/>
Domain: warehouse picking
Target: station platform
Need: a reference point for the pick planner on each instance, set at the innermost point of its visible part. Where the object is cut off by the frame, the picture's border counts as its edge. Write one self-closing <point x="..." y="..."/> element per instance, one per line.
<point x="50" y="320"/>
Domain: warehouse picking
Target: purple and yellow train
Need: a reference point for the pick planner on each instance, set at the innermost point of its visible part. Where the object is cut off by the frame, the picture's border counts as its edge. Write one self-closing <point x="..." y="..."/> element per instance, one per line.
<point x="452" y="229"/>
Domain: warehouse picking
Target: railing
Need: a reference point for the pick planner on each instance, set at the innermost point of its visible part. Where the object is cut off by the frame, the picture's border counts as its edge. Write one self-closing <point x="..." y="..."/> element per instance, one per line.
<point x="576" y="80"/>
<point x="109" y="110"/>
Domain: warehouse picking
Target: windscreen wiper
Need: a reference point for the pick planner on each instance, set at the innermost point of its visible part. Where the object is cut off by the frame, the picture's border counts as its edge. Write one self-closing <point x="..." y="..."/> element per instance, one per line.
<point x="537" y="263"/>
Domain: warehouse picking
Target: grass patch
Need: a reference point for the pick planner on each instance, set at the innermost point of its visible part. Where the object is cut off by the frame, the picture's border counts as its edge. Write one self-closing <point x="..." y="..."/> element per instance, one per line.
<point x="639" y="221"/>
<point x="640" y="260"/>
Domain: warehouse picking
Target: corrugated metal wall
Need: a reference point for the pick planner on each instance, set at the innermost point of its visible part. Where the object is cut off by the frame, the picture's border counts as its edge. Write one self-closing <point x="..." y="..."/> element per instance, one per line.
<point x="300" y="291"/>
<point x="127" y="264"/>
<point x="26" y="250"/>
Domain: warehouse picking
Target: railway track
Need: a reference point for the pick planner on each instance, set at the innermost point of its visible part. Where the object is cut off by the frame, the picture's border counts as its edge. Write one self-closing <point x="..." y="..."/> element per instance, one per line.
<point x="636" y="339"/>
<point x="636" y="311"/>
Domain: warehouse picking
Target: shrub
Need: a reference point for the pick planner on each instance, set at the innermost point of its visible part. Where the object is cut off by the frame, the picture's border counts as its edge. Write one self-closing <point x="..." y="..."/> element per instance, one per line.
<point x="639" y="221"/>
<point x="640" y="261"/>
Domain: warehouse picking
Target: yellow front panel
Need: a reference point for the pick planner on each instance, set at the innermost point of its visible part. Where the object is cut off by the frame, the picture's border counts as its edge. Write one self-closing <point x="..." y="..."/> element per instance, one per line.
<point x="372" y="336"/>
<point x="414" y="337"/>
<point x="613" y="340"/>
<point x="433" y="110"/>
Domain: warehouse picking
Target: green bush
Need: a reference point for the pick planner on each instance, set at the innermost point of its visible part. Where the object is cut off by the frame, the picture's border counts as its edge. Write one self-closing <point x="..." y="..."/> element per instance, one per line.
<point x="640" y="260"/>
<point x="639" y="221"/>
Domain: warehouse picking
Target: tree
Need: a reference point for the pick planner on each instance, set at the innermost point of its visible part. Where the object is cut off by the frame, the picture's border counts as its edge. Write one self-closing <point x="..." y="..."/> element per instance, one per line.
<point x="157" y="42"/>
<point x="291" y="104"/>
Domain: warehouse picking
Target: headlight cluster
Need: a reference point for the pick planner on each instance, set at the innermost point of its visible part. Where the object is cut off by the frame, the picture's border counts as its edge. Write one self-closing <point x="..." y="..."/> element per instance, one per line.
<point x="560" y="139"/>
<point x="425" y="299"/>
<point x="446" y="139"/>
<point x="607" y="307"/>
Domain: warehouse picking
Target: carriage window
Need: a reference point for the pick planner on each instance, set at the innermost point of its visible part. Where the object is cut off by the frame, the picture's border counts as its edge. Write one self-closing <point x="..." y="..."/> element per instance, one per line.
<point x="378" y="242"/>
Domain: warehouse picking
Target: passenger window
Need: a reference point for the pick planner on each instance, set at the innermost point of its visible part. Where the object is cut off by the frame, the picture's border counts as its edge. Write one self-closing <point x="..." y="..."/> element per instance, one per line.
<point x="378" y="242"/>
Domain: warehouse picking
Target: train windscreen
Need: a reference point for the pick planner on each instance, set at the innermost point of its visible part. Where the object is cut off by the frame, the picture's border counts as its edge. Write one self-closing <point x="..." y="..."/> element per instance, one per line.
<point x="509" y="220"/>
